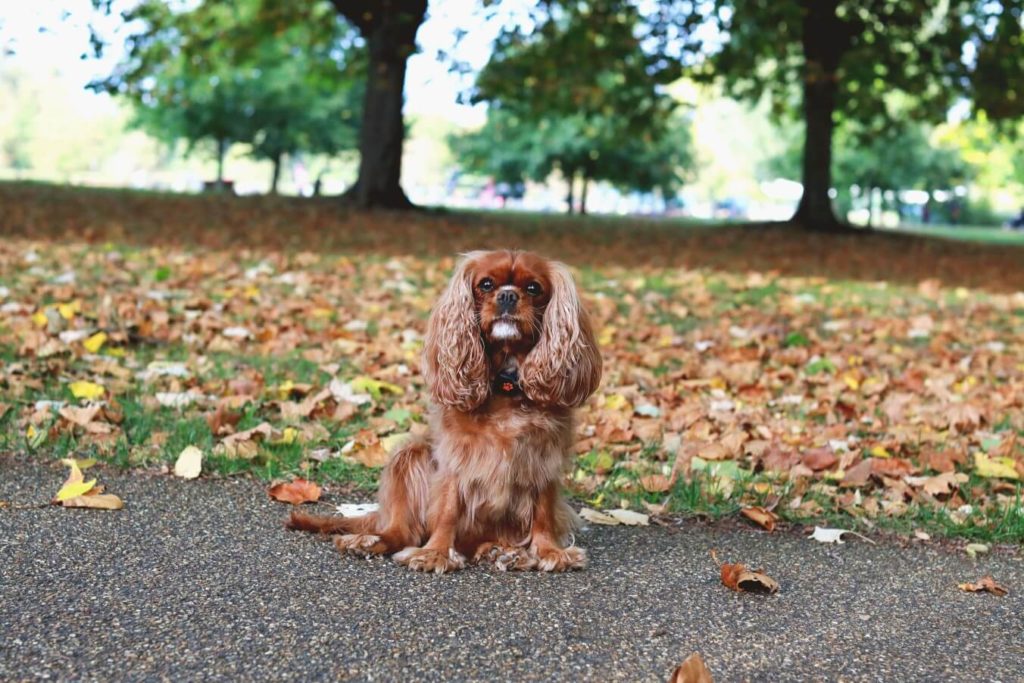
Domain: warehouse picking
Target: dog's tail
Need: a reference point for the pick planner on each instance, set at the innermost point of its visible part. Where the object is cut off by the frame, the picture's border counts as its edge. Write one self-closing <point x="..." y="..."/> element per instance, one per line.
<point x="318" y="524"/>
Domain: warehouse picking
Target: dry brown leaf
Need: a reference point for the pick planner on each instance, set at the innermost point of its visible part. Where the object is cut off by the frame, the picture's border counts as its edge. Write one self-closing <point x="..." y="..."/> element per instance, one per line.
<point x="819" y="459"/>
<point x="986" y="584"/>
<point x="760" y="516"/>
<point x="295" y="492"/>
<point x="98" y="501"/>
<point x="742" y="580"/>
<point x="692" y="670"/>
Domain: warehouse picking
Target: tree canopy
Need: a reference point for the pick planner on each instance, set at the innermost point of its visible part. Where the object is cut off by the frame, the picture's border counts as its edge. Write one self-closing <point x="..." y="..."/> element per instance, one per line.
<point x="580" y="94"/>
<point x="244" y="72"/>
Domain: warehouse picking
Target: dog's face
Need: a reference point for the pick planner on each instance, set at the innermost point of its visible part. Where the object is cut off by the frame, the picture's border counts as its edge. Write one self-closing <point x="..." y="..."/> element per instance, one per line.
<point x="504" y="306"/>
<point x="510" y="292"/>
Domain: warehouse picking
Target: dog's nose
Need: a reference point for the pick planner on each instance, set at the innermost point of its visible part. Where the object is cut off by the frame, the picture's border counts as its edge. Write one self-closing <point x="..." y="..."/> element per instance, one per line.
<point x="507" y="300"/>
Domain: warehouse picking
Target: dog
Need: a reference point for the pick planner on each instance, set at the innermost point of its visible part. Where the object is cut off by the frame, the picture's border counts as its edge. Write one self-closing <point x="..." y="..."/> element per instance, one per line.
<point x="508" y="354"/>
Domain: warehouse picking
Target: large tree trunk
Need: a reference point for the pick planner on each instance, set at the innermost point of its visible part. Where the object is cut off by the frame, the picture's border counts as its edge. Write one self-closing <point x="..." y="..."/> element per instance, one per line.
<point x="389" y="28"/>
<point x="583" y="195"/>
<point x="276" y="177"/>
<point x="825" y="39"/>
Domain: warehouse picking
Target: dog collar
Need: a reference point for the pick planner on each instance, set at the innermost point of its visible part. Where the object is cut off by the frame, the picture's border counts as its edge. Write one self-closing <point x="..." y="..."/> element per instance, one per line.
<point x="507" y="382"/>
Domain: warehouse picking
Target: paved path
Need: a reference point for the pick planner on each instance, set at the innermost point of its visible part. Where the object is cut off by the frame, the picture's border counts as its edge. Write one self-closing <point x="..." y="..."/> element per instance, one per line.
<point x="197" y="580"/>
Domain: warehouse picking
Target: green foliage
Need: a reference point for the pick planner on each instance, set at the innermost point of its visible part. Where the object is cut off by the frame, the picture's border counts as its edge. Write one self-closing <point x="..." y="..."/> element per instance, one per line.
<point x="278" y="78"/>
<point x="580" y="94"/>
<point x="895" y="57"/>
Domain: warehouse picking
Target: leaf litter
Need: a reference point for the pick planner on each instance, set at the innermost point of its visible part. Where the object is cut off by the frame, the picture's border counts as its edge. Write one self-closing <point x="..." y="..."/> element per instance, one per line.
<point x="865" y="397"/>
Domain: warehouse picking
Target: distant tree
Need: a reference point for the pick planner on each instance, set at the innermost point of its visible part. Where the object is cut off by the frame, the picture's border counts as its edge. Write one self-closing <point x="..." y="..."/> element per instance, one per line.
<point x="580" y="93"/>
<point x="389" y="28"/>
<point x="829" y="58"/>
<point x="224" y="72"/>
<point x="898" y="157"/>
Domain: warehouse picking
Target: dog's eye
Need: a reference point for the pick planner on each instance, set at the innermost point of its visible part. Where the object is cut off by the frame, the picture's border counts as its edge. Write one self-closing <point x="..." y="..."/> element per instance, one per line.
<point x="533" y="289"/>
<point x="486" y="285"/>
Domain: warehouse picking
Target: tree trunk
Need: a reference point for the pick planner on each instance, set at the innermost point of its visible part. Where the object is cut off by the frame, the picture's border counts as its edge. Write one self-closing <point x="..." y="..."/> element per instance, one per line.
<point x="389" y="28"/>
<point x="570" y="198"/>
<point x="222" y="150"/>
<point x="277" y="174"/>
<point x="825" y="39"/>
<point x="583" y="195"/>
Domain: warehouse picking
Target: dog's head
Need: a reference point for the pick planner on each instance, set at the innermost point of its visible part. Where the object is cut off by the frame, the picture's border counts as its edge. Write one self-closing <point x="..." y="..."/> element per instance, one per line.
<point x="522" y="305"/>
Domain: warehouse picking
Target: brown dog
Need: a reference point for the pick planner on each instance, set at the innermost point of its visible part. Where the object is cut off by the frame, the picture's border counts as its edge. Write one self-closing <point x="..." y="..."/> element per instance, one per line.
<point x="509" y="353"/>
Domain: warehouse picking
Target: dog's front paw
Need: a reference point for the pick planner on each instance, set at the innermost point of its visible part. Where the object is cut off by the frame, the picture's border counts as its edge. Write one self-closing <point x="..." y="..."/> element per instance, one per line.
<point x="560" y="559"/>
<point x="431" y="560"/>
<point x="506" y="558"/>
<point x="360" y="544"/>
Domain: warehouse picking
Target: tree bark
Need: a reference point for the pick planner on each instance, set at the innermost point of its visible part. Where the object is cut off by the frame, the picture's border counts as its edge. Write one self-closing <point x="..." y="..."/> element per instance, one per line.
<point x="825" y="39"/>
<point x="583" y="195"/>
<point x="389" y="28"/>
<point x="276" y="175"/>
<point x="570" y="198"/>
<point x="222" y="150"/>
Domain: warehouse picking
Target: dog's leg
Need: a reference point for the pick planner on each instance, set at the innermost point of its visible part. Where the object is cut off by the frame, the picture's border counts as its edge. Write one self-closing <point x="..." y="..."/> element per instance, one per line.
<point x="550" y="526"/>
<point x="439" y="554"/>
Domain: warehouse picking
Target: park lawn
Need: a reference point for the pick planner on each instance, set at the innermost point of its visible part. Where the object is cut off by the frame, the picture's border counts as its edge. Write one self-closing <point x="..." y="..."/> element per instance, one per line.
<point x="866" y="381"/>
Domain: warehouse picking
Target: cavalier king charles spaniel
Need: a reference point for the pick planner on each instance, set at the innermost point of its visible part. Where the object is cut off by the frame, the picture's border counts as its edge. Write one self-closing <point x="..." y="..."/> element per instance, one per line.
<point x="509" y="353"/>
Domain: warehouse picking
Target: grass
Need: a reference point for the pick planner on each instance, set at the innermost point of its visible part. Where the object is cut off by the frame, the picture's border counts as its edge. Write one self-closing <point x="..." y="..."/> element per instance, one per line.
<point x="194" y="265"/>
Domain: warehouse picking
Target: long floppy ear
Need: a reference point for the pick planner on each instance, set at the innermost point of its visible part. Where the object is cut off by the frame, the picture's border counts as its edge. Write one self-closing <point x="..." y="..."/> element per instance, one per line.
<point x="454" y="364"/>
<point x="564" y="368"/>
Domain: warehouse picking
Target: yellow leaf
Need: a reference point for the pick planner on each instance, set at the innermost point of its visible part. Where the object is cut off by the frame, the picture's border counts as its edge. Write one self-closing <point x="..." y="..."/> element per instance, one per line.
<point x="393" y="441"/>
<point x="68" y="311"/>
<point x="284" y="390"/>
<point x="985" y="466"/>
<point x="251" y="292"/>
<point x="851" y="381"/>
<point x="74" y="489"/>
<point x="375" y="387"/>
<point x="94" y="343"/>
<point x="87" y="390"/>
<point x="880" y="452"/>
<point x="287" y="436"/>
<point x="607" y="335"/>
<point x="616" y="402"/>
<point x="39" y="318"/>
<point x="322" y="312"/>
<point x="78" y="463"/>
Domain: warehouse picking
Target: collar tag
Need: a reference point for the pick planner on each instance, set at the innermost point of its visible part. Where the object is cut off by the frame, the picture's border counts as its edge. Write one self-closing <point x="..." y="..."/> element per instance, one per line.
<point x="507" y="382"/>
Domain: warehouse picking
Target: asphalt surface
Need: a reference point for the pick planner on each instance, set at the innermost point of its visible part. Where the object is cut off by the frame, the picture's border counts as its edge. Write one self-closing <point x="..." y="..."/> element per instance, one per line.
<point x="199" y="581"/>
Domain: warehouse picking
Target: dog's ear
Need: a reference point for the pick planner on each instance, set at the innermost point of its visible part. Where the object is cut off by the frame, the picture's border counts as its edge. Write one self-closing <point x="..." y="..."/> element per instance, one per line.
<point x="564" y="368"/>
<point x="454" y="363"/>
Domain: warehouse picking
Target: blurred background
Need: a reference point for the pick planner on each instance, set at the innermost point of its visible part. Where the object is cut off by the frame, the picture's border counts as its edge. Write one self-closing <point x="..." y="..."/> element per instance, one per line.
<point x="904" y="112"/>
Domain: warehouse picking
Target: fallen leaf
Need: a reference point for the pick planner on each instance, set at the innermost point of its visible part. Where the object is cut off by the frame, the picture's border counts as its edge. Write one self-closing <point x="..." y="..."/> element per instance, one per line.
<point x="595" y="517"/>
<point x="189" y="463"/>
<point x="823" y="535"/>
<point x="692" y="670"/>
<point x="975" y="549"/>
<point x="819" y="459"/>
<point x="986" y="584"/>
<point x="357" y="509"/>
<point x="629" y="517"/>
<point x="73" y="490"/>
<point x="99" y="501"/>
<point x="740" y="579"/>
<point x="87" y="390"/>
<point x="80" y="416"/>
<point x="94" y="343"/>
<point x="295" y="492"/>
<point x="760" y="516"/>
<point x="656" y="483"/>
<point x="1003" y="468"/>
